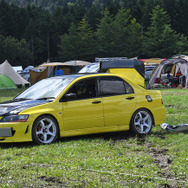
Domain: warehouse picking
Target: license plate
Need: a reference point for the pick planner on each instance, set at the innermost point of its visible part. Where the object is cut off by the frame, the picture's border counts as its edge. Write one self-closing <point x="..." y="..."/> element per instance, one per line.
<point x="6" y="132"/>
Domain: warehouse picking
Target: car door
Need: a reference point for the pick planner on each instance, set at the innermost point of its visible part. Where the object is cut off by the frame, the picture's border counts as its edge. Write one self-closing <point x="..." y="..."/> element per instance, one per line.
<point x="86" y="109"/>
<point x="118" y="99"/>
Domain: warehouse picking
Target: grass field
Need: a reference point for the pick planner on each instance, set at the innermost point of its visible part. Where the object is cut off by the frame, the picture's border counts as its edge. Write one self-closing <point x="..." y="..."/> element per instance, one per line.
<point x="103" y="160"/>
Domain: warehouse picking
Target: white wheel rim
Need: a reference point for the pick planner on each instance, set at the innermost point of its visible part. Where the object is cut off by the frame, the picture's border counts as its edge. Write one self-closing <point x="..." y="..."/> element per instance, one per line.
<point x="143" y="122"/>
<point x="46" y="130"/>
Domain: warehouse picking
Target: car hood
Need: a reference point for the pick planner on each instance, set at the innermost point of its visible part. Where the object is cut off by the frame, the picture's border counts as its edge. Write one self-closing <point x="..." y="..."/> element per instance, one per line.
<point x="15" y="107"/>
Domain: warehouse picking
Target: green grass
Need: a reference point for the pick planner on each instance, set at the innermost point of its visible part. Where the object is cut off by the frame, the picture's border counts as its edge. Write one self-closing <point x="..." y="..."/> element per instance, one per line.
<point x="103" y="160"/>
<point x="9" y="94"/>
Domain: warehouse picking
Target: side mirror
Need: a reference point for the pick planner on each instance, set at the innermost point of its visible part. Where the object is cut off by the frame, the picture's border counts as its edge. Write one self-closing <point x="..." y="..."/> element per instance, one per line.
<point x="68" y="97"/>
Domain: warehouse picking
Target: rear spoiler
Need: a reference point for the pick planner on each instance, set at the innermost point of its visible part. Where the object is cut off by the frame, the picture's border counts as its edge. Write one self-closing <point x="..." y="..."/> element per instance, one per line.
<point x="126" y="63"/>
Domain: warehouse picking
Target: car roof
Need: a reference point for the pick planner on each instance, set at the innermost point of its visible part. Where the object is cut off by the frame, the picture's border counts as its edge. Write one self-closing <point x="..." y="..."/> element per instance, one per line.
<point x="80" y="75"/>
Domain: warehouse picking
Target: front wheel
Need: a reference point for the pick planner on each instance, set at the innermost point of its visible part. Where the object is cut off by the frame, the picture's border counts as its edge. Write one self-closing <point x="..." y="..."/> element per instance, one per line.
<point x="141" y="122"/>
<point x="45" y="130"/>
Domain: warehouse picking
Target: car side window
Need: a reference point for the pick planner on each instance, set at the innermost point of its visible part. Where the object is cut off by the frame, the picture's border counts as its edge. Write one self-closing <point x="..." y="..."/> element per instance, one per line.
<point x="84" y="89"/>
<point x="111" y="85"/>
<point x="128" y="88"/>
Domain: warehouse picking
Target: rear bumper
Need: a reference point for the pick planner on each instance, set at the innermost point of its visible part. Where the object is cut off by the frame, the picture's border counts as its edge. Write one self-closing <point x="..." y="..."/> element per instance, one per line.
<point x="159" y="115"/>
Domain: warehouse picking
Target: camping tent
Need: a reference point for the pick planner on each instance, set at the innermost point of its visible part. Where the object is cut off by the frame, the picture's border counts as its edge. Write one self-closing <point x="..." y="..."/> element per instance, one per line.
<point x="6" y="69"/>
<point x="48" y="69"/>
<point x="6" y="82"/>
<point x="171" y="72"/>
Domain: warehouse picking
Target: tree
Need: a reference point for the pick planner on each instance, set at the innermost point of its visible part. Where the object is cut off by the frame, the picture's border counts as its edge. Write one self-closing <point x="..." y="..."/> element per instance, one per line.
<point x="160" y="39"/>
<point x="78" y="43"/>
<point x="119" y="35"/>
<point x="68" y="47"/>
<point x="17" y="52"/>
<point x="135" y="39"/>
<point x="37" y="34"/>
<point x="104" y="35"/>
<point x="182" y="45"/>
<point x="86" y="41"/>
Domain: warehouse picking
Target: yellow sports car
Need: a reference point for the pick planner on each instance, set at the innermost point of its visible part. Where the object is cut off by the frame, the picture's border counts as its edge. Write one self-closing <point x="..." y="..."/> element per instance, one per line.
<point x="80" y="104"/>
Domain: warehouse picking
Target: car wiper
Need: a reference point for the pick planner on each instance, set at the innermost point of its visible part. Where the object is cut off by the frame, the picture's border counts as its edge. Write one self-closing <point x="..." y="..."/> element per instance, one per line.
<point x="20" y="99"/>
<point x="45" y="98"/>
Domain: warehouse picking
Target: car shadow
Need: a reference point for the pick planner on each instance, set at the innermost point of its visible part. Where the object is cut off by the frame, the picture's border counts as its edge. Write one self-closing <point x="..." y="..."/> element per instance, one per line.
<point x="115" y="136"/>
<point x="112" y="136"/>
<point x="6" y="145"/>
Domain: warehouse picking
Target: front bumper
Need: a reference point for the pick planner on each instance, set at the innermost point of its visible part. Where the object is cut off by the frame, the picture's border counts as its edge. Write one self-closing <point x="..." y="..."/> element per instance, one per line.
<point x="15" y="132"/>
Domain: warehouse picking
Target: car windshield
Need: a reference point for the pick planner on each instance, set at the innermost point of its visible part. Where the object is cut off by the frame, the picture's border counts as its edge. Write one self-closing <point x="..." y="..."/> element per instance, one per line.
<point x="46" y="89"/>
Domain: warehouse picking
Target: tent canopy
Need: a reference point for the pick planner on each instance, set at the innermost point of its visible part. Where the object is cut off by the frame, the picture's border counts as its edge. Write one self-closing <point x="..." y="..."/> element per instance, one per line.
<point x="153" y="60"/>
<point x="67" y="63"/>
<point x="6" y="69"/>
<point x="6" y="82"/>
<point x="172" y="67"/>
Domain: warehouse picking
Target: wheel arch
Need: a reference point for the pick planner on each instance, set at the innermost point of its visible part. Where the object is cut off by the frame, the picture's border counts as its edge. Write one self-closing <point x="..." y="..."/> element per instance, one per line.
<point x="143" y="108"/>
<point x="47" y="114"/>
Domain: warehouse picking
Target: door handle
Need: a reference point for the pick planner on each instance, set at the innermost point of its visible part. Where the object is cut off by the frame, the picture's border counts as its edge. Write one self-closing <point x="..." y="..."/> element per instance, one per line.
<point x="96" y="102"/>
<point x="130" y="98"/>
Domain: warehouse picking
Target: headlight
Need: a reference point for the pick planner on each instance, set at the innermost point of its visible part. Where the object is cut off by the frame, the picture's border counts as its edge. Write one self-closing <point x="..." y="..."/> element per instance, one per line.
<point x="15" y="118"/>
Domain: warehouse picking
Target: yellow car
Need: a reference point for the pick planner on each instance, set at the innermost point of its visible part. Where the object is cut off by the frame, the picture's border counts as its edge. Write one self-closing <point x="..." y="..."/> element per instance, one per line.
<point x="80" y="104"/>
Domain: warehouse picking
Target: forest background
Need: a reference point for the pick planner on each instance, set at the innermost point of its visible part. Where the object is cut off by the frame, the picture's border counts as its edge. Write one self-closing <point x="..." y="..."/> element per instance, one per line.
<point x="31" y="32"/>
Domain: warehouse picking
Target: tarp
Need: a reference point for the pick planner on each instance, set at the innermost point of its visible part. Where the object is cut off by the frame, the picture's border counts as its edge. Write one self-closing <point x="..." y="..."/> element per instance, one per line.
<point x="36" y="75"/>
<point x="52" y="64"/>
<point x="6" y="82"/>
<point x="6" y="69"/>
<point x="177" y="128"/>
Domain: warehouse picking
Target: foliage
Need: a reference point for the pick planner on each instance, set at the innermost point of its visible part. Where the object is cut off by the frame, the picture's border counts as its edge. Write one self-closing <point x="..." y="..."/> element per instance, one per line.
<point x="119" y="28"/>
<point x="69" y="44"/>
<point x="103" y="160"/>
<point x="78" y="43"/>
<point x="160" y="35"/>
<point x="104" y="34"/>
<point x="16" y="51"/>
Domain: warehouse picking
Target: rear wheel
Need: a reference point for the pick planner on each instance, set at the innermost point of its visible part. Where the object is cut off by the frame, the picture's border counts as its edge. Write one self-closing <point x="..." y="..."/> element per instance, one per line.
<point x="141" y="122"/>
<point x="45" y="130"/>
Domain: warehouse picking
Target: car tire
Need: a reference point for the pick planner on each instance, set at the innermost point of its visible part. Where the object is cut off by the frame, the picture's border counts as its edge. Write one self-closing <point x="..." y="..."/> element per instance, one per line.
<point x="141" y="122"/>
<point x="45" y="130"/>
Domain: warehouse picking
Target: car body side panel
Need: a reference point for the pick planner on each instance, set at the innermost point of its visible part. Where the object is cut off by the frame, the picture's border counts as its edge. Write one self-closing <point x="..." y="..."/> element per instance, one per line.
<point x="155" y="106"/>
<point x="118" y="109"/>
<point x="130" y="73"/>
<point x="82" y="114"/>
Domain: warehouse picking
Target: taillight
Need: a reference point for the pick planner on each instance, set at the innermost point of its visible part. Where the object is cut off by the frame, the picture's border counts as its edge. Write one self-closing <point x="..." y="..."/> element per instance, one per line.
<point x="162" y="101"/>
<point x="157" y="80"/>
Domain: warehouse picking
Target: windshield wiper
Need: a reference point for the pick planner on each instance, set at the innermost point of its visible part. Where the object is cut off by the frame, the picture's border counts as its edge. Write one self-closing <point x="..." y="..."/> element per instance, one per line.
<point x="20" y="99"/>
<point x="45" y="98"/>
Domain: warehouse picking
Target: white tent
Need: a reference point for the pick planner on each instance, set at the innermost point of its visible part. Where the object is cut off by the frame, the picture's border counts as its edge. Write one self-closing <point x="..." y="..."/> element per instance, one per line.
<point x="77" y="63"/>
<point x="6" y="69"/>
<point x="67" y="63"/>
